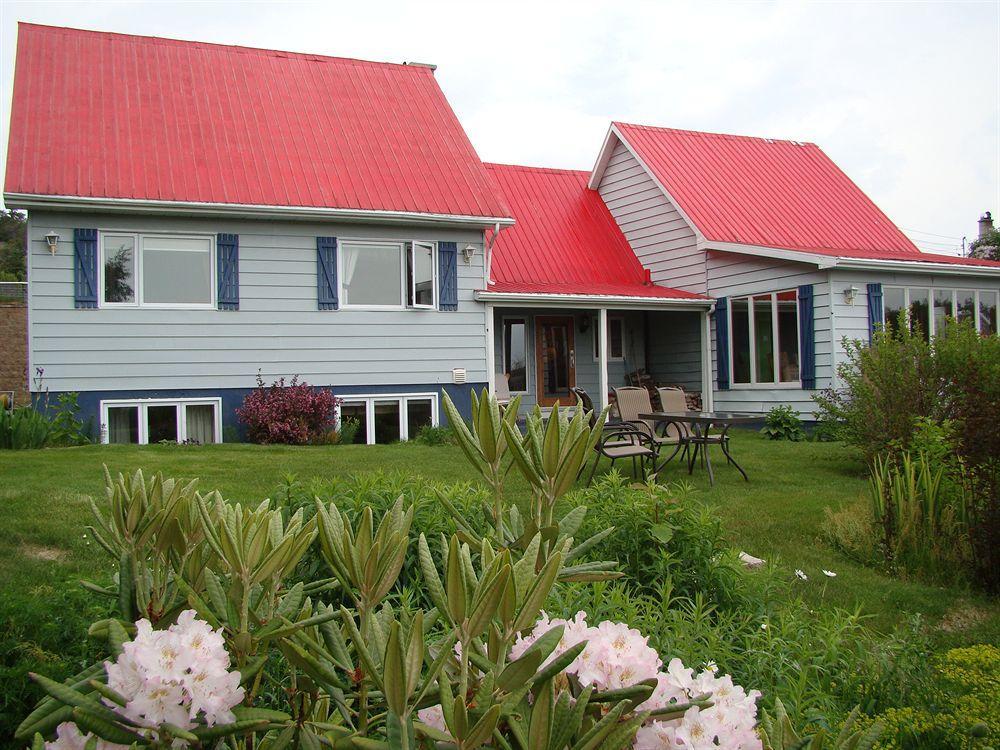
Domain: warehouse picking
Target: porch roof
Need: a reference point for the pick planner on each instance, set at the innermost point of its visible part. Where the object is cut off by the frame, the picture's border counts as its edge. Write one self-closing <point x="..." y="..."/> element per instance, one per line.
<point x="565" y="242"/>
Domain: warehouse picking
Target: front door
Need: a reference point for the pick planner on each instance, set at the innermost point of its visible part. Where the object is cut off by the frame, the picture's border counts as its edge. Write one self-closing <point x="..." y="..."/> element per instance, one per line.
<point x="555" y="360"/>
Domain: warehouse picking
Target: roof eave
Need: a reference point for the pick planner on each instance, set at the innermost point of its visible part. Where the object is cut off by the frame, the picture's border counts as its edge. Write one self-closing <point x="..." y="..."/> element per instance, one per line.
<point x="241" y="210"/>
<point x="594" y="300"/>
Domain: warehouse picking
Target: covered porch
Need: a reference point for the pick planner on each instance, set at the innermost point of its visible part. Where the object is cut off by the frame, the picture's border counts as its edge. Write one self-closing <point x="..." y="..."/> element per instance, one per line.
<point x="541" y="351"/>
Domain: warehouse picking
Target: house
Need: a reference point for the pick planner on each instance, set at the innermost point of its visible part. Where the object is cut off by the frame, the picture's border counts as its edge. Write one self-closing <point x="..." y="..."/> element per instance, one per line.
<point x="200" y="214"/>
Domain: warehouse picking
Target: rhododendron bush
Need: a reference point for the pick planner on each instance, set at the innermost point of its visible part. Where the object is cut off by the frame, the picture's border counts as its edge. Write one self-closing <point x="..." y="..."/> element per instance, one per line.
<point x="216" y="642"/>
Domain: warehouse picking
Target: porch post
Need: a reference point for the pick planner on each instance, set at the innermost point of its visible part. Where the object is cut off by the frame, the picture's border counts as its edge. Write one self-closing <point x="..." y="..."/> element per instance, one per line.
<point x="491" y="376"/>
<point x="707" y="402"/>
<point x="602" y="354"/>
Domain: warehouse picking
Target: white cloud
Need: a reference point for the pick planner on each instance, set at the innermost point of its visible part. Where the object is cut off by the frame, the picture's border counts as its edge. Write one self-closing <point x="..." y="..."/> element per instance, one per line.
<point x="904" y="96"/>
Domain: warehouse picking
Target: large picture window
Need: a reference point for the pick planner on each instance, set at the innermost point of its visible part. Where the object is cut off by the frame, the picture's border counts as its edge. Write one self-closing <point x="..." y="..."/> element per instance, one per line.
<point x="389" y="275"/>
<point x="926" y="310"/>
<point x="389" y="418"/>
<point x="515" y="354"/>
<point x="151" y="421"/>
<point x="764" y="335"/>
<point x="157" y="270"/>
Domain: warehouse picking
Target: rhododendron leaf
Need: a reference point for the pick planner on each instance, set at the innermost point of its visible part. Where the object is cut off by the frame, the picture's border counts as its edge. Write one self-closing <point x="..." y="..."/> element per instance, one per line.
<point x="126" y="586"/>
<point x="107" y="730"/>
<point x="432" y="582"/>
<point x="568" y="718"/>
<point x="486" y="609"/>
<point x="216" y="595"/>
<point x="112" y="695"/>
<point x="399" y="731"/>
<point x="540" y="724"/>
<point x="66" y="694"/>
<point x="520" y="454"/>
<point x="516" y="674"/>
<point x="623" y="734"/>
<point x="251" y="668"/>
<point x="394" y="674"/>
<point x="560" y="663"/>
<point x="198" y="604"/>
<point x="594" y="738"/>
<point x="571" y="522"/>
<point x="359" y="646"/>
<point x="225" y="730"/>
<point x="433" y="672"/>
<point x="539" y="591"/>
<point x="335" y="643"/>
<point x="455" y="584"/>
<point x="483" y="729"/>
<point x="447" y="701"/>
<point x="178" y="733"/>
<point x="640" y="690"/>
<point x="524" y="569"/>
<point x="414" y="658"/>
<point x="283" y="740"/>
<point x="597" y="538"/>
<point x="55" y="713"/>
<point x="117" y="637"/>
<point x="38" y="742"/>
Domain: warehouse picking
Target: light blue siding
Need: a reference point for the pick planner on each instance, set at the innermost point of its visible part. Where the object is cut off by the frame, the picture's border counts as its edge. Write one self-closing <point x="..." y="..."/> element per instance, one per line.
<point x="277" y="329"/>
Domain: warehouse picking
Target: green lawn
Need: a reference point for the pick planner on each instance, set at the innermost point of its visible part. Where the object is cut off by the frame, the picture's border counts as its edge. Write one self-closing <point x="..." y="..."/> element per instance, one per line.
<point x="777" y="515"/>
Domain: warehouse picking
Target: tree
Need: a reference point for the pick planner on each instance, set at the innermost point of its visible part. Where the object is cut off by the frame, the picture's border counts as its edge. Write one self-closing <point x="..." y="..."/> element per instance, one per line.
<point x="986" y="247"/>
<point x="13" y="241"/>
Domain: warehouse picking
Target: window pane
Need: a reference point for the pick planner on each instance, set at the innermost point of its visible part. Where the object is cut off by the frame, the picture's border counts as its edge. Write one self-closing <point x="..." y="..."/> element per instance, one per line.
<point x="418" y="415"/>
<point x="357" y="414"/>
<point x="200" y="423"/>
<point x="161" y="424"/>
<point x="123" y="424"/>
<point x="920" y="312"/>
<point x="942" y="308"/>
<point x="966" y="305"/>
<point x="987" y="312"/>
<point x="788" y="337"/>
<point x="741" y="341"/>
<point x="894" y="302"/>
<point x="420" y="275"/>
<point x="176" y="270"/>
<point x="371" y="275"/>
<point x="763" y="338"/>
<point x="119" y="268"/>
<point x="386" y="421"/>
<point x="616" y="337"/>
<point x="515" y="355"/>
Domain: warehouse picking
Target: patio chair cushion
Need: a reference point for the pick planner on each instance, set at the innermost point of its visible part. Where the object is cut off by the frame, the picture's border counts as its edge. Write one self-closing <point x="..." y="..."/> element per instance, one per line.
<point x="626" y="450"/>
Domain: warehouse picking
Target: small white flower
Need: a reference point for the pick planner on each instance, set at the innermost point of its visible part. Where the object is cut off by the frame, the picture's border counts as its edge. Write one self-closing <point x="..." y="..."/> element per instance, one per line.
<point x="829" y="574"/>
<point x="801" y="576"/>
<point x="763" y="626"/>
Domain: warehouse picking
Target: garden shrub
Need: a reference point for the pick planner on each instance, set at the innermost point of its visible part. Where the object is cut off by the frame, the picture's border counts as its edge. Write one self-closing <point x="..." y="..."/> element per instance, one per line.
<point x="783" y="423"/>
<point x="429" y="435"/>
<point x="44" y="425"/>
<point x="663" y="536"/>
<point x="899" y="387"/>
<point x="293" y="414"/>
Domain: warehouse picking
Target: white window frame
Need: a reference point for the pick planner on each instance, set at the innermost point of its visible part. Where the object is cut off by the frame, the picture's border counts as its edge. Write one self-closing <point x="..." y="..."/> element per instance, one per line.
<point x="597" y="339"/>
<point x="955" y="291"/>
<point x="525" y="320"/>
<point x="405" y="252"/>
<point x="143" y="405"/>
<point x="753" y="384"/>
<point x="139" y="302"/>
<point x="369" y="399"/>
<point x="410" y="254"/>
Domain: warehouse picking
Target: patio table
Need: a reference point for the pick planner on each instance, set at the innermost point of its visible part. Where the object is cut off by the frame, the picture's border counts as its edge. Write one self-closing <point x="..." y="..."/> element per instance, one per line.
<point x="701" y="424"/>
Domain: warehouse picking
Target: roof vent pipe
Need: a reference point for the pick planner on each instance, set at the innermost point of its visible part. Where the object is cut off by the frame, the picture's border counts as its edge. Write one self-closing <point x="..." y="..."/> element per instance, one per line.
<point x="985" y="224"/>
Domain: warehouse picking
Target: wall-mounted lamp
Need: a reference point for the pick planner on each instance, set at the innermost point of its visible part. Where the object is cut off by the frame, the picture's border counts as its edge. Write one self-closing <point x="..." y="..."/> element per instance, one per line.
<point x="467" y="252"/>
<point x="52" y="240"/>
<point x="850" y="294"/>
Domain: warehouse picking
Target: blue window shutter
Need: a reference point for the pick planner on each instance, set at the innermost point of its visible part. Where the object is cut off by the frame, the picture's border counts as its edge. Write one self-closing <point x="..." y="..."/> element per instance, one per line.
<point x="448" y="275"/>
<point x="227" y="249"/>
<point x="875" y="311"/>
<point x="807" y="337"/>
<point x="85" y="267"/>
<point x="326" y="273"/>
<point x="722" y="342"/>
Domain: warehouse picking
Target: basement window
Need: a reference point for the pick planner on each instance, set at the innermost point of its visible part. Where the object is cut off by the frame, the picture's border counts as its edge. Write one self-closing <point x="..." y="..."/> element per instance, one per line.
<point x="150" y="421"/>
<point x="388" y="418"/>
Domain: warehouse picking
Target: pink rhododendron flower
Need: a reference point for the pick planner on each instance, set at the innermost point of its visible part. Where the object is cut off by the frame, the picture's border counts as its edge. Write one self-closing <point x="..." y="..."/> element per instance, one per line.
<point x="433" y="717"/>
<point x="69" y="737"/>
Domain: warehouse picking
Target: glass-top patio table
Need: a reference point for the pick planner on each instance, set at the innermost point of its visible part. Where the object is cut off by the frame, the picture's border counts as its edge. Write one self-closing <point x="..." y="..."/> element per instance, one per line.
<point x="699" y="425"/>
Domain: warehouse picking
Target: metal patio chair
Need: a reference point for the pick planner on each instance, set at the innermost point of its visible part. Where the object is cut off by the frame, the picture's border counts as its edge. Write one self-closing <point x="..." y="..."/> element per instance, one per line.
<point x="630" y="402"/>
<point x="618" y="440"/>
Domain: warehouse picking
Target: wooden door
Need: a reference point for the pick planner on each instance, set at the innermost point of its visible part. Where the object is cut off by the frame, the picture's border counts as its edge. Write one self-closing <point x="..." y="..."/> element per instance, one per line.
<point x="555" y="360"/>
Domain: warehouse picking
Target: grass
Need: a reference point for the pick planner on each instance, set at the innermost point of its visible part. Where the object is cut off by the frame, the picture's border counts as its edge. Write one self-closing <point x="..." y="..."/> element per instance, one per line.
<point x="777" y="516"/>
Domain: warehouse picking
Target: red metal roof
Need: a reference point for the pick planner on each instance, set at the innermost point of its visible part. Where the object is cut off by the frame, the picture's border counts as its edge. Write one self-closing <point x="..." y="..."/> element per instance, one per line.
<point x="565" y="240"/>
<point x="759" y="191"/>
<point x="117" y="116"/>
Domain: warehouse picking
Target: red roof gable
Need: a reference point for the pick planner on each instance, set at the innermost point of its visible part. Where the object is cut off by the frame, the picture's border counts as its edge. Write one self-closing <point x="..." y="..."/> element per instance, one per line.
<point x="105" y="115"/>
<point x="759" y="191"/>
<point x="564" y="241"/>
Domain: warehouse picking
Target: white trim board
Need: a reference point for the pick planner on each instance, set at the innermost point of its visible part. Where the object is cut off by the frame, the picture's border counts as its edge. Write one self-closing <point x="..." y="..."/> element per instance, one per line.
<point x="591" y="301"/>
<point x="195" y="208"/>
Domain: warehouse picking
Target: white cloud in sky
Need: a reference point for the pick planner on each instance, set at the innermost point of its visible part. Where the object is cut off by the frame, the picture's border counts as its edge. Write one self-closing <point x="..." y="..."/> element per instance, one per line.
<point x="904" y="96"/>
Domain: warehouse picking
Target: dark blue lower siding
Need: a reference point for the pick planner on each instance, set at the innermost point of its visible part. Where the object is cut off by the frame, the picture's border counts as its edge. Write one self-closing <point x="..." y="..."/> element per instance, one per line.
<point x="90" y="401"/>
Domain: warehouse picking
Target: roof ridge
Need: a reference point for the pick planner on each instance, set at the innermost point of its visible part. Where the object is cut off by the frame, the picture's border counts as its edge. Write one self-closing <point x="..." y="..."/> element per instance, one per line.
<point x="709" y="134"/>
<point x="239" y="48"/>
<point x="529" y="168"/>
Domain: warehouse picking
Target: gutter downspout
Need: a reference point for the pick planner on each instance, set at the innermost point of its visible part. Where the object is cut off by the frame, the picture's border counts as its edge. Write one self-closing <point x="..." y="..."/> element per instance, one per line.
<point x="488" y="252"/>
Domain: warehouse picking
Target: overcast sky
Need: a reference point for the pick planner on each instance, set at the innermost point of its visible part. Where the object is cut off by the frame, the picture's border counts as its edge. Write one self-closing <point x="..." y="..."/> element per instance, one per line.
<point x="904" y="96"/>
